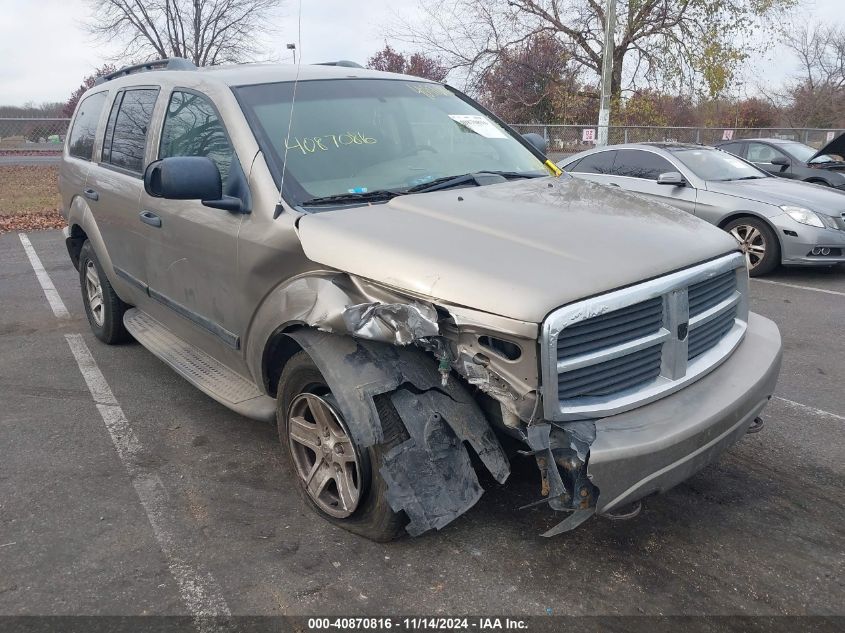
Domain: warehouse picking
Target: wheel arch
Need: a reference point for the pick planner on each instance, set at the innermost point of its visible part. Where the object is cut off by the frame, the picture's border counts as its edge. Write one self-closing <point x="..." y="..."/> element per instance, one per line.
<point x="736" y="215"/>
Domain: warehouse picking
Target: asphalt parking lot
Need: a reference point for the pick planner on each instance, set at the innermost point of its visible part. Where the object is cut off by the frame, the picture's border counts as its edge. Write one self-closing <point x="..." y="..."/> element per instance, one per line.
<point x="120" y="517"/>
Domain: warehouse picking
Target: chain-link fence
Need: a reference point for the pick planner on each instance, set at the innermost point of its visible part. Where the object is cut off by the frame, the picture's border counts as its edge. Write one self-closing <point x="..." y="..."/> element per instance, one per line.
<point x="33" y="135"/>
<point x="568" y="139"/>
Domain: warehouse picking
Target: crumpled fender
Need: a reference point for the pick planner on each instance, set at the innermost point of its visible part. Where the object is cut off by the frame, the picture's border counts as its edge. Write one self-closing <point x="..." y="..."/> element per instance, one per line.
<point x="430" y="475"/>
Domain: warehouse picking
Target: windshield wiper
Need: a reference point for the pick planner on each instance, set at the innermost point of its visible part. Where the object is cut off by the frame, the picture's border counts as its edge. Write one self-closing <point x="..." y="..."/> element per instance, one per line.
<point x="453" y="181"/>
<point x="380" y="195"/>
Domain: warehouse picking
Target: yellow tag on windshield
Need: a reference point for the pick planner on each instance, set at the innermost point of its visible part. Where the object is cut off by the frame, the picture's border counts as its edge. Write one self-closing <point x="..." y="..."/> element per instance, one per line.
<point x="553" y="168"/>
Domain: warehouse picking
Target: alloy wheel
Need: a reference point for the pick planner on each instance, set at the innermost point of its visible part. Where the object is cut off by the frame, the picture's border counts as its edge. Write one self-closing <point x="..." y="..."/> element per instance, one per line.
<point x="324" y="456"/>
<point x="752" y="243"/>
<point x="94" y="292"/>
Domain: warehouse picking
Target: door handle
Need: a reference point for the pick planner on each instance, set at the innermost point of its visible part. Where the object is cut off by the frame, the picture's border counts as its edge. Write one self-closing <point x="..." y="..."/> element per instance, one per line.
<point x="91" y="194"/>
<point x="148" y="217"/>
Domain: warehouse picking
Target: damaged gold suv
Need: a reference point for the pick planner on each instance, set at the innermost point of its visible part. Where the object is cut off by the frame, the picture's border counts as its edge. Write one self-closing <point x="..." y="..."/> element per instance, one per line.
<point x="398" y="280"/>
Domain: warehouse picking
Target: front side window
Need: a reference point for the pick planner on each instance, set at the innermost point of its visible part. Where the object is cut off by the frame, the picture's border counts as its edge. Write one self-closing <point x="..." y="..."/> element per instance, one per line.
<point x="126" y="132"/>
<point x="639" y="164"/>
<point x="351" y="136"/>
<point x="81" y="140"/>
<point x="760" y="153"/>
<point x="598" y="163"/>
<point x="193" y="128"/>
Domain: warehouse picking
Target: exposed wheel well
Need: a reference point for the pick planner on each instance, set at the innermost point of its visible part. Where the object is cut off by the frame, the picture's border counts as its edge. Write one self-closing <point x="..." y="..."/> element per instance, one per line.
<point x="74" y="244"/>
<point x="278" y="351"/>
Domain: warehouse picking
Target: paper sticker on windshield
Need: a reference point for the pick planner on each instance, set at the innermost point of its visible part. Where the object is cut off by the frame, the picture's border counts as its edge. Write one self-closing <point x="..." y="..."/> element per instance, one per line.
<point x="478" y="124"/>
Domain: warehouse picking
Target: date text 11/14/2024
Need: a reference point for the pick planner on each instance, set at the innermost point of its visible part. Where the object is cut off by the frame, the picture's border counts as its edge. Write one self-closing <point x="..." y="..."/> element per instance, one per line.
<point x="418" y="624"/>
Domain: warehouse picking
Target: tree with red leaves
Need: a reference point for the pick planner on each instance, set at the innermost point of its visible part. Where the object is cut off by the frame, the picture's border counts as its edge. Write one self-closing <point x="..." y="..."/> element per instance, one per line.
<point x="70" y="107"/>
<point x="419" y="65"/>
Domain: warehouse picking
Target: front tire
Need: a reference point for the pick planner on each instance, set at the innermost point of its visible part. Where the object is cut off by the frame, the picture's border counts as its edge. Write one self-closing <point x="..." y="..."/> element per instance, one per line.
<point x="336" y="478"/>
<point x="103" y="307"/>
<point x="758" y="243"/>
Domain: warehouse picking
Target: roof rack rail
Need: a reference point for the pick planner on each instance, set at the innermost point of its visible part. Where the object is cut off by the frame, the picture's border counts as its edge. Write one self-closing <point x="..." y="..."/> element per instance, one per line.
<point x="341" y="62"/>
<point x="171" y="63"/>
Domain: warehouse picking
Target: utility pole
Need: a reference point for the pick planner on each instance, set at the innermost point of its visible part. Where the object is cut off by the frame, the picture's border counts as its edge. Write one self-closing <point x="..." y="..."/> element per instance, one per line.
<point x="292" y="47"/>
<point x="607" y="72"/>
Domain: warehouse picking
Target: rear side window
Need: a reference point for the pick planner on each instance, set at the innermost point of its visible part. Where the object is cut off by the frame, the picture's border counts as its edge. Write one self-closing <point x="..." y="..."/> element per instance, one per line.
<point x="598" y="163"/>
<point x="639" y="164"/>
<point x="193" y="128"/>
<point x="126" y="133"/>
<point x="81" y="141"/>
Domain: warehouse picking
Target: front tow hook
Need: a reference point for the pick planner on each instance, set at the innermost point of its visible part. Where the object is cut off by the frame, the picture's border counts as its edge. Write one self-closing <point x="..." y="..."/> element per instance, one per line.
<point x="756" y="426"/>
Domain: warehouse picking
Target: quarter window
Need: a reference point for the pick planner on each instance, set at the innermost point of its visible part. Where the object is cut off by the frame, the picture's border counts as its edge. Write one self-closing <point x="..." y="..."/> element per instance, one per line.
<point x="193" y="128"/>
<point x="639" y="164"/>
<point x="126" y="132"/>
<point x="81" y="141"/>
<point x="598" y="163"/>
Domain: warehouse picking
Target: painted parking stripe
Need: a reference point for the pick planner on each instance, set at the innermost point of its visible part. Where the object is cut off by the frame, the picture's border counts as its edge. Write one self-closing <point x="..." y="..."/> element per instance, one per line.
<point x="808" y="409"/>
<point x="198" y="588"/>
<point x="47" y="286"/>
<point x="783" y="283"/>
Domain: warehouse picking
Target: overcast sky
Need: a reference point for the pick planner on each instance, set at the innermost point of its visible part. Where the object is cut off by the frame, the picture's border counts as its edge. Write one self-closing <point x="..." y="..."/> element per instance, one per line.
<point x="45" y="52"/>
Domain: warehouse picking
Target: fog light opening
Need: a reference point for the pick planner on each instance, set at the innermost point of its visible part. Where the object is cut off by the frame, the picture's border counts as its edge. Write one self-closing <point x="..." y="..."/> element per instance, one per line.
<point x="817" y="251"/>
<point x="825" y="251"/>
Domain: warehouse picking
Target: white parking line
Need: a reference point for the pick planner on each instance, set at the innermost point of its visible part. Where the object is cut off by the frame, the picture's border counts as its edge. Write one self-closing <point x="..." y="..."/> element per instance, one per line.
<point x="198" y="588"/>
<point x="783" y="283"/>
<point x="47" y="286"/>
<point x="809" y="409"/>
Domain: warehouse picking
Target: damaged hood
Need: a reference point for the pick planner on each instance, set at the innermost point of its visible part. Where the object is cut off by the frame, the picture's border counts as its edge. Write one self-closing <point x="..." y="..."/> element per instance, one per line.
<point x="518" y="249"/>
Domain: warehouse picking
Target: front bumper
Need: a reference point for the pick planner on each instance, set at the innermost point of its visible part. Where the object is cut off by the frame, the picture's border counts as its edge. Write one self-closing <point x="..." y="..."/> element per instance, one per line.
<point x="795" y="251"/>
<point x="659" y="445"/>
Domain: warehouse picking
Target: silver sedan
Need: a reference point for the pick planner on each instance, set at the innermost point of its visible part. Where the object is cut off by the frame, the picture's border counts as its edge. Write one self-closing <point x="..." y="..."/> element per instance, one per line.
<point x="775" y="220"/>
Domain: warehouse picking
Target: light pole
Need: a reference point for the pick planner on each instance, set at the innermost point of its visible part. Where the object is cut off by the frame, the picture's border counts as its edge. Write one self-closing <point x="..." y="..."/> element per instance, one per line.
<point x="292" y="47"/>
<point x="607" y="73"/>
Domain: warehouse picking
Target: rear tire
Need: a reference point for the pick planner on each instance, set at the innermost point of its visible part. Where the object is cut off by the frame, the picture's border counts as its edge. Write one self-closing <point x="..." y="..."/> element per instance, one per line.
<point x="758" y="242"/>
<point x="103" y="307"/>
<point x="303" y="389"/>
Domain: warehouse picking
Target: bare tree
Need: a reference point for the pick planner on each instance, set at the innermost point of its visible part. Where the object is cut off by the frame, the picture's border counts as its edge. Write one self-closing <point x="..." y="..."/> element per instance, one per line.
<point x="207" y="32"/>
<point x="814" y="97"/>
<point x="670" y="43"/>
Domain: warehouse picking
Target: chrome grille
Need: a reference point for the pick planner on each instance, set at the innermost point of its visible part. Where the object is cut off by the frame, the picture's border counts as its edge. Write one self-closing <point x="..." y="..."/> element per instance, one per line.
<point x="613" y="328"/>
<point x="707" y="335"/>
<point x="611" y="375"/>
<point x="617" y="351"/>
<point x="705" y="294"/>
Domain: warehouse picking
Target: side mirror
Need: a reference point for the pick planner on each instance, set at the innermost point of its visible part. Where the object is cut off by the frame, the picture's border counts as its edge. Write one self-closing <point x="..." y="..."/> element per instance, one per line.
<point x="537" y="141"/>
<point x="781" y="161"/>
<point x="673" y="178"/>
<point x="189" y="178"/>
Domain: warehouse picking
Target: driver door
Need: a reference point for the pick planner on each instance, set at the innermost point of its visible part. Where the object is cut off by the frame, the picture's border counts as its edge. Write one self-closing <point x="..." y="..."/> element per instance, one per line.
<point x="762" y="156"/>
<point x="192" y="259"/>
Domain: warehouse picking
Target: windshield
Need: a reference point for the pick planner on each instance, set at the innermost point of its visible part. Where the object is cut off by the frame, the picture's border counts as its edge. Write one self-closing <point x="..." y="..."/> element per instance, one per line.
<point x="358" y="136"/>
<point x="714" y="164"/>
<point x="804" y="153"/>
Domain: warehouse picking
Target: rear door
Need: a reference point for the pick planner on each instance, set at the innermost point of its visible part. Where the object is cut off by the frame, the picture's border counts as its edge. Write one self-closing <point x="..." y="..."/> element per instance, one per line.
<point x="115" y="184"/>
<point x="192" y="259"/>
<point x="638" y="170"/>
<point x="80" y="150"/>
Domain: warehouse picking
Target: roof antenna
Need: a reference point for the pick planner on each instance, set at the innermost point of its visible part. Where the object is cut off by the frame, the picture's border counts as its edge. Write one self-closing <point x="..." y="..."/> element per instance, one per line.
<point x="279" y="207"/>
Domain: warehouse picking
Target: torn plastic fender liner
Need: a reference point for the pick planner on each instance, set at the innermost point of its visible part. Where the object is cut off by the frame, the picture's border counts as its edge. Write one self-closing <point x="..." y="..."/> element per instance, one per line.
<point x="429" y="476"/>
